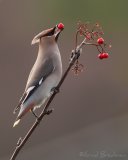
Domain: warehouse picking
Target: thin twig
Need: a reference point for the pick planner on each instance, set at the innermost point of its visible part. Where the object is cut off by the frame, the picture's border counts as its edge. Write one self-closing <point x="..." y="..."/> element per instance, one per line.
<point x="96" y="45"/>
<point x="21" y="142"/>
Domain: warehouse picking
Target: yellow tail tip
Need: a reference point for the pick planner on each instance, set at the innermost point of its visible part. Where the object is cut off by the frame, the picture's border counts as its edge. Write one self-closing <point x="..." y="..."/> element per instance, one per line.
<point x="16" y="123"/>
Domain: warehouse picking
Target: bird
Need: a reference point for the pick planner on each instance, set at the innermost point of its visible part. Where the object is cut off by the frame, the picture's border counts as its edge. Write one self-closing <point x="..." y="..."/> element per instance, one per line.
<point x="45" y="74"/>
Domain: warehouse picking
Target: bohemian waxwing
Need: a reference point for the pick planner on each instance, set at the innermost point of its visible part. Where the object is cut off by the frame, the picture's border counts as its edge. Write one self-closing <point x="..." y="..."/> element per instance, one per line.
<point x="45" y="74"/>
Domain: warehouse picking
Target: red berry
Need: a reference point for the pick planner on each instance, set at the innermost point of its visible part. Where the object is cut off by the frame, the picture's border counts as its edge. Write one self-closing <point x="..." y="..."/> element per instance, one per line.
<point x="100" y="40"/>
<point x="100" y="56"/>
<point x="105" y="55"/>
<point x="88" y="36"/>
<point x="60" y="26"/>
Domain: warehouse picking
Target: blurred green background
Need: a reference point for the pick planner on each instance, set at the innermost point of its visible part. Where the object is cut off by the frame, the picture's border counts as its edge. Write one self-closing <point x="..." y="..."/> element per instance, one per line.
<point x="91" y="111"/>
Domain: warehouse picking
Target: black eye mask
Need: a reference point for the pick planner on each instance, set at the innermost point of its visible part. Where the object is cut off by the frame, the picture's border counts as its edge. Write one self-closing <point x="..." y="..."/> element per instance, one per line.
<point x="51" y="33"/>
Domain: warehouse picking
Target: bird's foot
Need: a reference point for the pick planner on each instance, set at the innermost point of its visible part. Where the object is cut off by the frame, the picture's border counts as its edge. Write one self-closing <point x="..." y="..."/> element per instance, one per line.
<point x="35" y="115"/>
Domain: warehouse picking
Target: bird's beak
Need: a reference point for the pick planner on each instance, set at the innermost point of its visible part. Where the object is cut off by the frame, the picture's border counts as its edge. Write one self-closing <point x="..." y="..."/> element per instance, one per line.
<point x="57" y="32"/>
<point x="58" y="29"/>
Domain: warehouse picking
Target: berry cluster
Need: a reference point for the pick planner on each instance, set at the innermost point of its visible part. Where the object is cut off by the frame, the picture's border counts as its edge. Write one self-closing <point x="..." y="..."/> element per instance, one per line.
<point x="93" y="35"/>
<point x="102" y="55"/>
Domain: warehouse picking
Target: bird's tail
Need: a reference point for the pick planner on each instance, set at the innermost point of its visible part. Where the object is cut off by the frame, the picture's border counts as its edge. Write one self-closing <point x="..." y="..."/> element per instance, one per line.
<point x="16" y="122"/>
<point x="23" y="111"/>
<point x="16" y="108"/>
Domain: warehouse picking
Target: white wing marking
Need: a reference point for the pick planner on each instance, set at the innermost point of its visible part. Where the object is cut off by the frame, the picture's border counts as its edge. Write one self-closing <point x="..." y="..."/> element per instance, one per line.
<point x="28" y="91"/>
<point x="41" y="81"/>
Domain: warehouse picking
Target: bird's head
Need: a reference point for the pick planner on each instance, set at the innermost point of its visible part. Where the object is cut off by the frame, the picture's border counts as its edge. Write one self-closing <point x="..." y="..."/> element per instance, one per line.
<point x="49" y="33"/>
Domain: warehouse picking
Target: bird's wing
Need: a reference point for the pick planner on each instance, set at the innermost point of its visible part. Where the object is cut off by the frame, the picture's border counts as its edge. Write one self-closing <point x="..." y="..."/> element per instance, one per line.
<point x="38" y="74"/>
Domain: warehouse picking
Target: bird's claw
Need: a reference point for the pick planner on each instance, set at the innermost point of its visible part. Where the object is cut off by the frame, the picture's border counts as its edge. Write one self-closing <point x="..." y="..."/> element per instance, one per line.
<point x="49" y="111"/>
<point x="34" y="113"/>
<point x="55" y="90"/>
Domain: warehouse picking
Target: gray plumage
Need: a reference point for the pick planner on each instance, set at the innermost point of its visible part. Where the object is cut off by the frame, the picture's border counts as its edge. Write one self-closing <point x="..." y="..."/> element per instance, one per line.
<point x="45" y="74"/>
